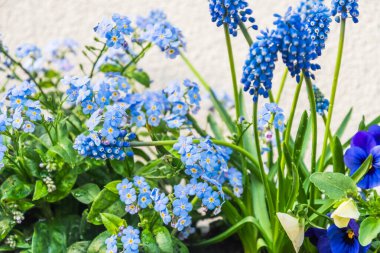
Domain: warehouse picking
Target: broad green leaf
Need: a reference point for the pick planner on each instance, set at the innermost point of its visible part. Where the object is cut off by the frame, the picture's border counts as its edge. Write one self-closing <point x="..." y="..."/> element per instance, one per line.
<point x="295" y="178"/>
<point x="363" y="169"/>
<point x="163" y="239"/>
<point x="111" y="186"/>
<point x="112" y="222"/>
<point x="299" y="141"/>
<point x="258" y="199"/>
<point x="6" y="225"/>
<point x="110" y="68"/>
<point x="141" y="77"/>
<point x="338" y="162"/>
<point x="49" y="238"/>
<point x="86" y="193"/>
<point x="369" y="229"/>
<point x="64" y="182"/>
<point x="148" y="242"/>
<point x="97" y="245"/>
<point x="78" y="247"/>
<point x="40" y="190"/>
<point x="105" y="202"/>
<point x="24" y="205"/>
<point x="334" y="185"/>
<point x="179" y="246"/>
<point x="14" y="188"/>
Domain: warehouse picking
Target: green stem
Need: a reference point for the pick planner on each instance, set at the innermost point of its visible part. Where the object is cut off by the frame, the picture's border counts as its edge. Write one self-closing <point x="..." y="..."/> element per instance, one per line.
<point x="137" y="58"/>
<point x="283" y="81"/>
<point x="196" y="126"/>
<point x="97" y="59"/>
<point x="333" y="91"/>
<point x="263" y="176"/>
<point x="233" y="74"/>
<point x="236" y="200"/>
<point x="330" y="136"/>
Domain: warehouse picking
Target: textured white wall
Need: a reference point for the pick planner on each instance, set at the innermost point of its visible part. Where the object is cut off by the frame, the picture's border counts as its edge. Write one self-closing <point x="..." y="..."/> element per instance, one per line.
<point x="38" y="21"/>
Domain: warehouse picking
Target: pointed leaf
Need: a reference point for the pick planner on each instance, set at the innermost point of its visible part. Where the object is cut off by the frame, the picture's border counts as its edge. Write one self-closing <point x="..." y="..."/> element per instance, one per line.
<point x="334" y="185"/>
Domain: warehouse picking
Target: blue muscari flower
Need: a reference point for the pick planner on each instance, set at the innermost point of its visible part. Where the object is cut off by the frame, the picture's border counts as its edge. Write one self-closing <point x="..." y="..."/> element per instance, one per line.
<point x="183" y="222"/>
<point x="28" y="127"/>
<point x="211" y="200"/>
<point x="231" y="13"/>
<point x="114" y="39"/>
<point x="317" y="19"/>
<point x="258" y="68"/>
<point x="364" y="144"/>
<point x="296" y="45"/>
<point x="144" y="200"/>
<point x="182" y="207"/>
<point x="131" y="240"/>
<point x="128" y="196"/>
<point x="345" y="8"/>
<point x="322" y="104"/>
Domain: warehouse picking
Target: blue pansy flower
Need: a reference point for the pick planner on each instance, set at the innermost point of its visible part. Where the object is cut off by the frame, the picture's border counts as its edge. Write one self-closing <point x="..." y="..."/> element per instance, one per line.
<point x="364" y="144"/>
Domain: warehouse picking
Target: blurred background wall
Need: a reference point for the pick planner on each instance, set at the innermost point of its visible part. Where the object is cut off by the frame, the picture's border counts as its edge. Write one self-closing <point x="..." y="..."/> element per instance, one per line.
<point x="38" y="21"/>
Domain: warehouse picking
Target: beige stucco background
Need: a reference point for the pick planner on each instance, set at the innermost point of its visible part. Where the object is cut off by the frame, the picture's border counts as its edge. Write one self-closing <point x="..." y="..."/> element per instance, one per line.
<point x="38" y="21"/>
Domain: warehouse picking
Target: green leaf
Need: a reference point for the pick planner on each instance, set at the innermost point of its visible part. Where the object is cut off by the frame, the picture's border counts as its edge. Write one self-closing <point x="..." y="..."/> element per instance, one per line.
<point x="369" y="229"/>
<point x="299" y="141"/>
<point x="64" y="182"/>
<point x="141" y="77"/>
<point x="363" y="169"/>
<point x="79" y="247"/>
<point x="14" y="188"/>
<point x="179" y="246"/>
<point x="49" y="238"/>
<point x="112" y="222"/>
<point x="40" y="190"/>
<point x="344" y="123"/>
<point x="295" y="176"/>
<point x="214" y="127"/>
<point x="110" y="68"/>
<point x="232" y="230"/>
<point x="97" y="245"/>
<point x="111" y="186"/>
<point x="163" y="239"/>
<point x="86" y="193"/>
<point x="334" y="185"/>
<point x="105" y="202"/>
<point x="6" y="225"/>
<point x="338" y="162"/>
<point x="362" y="125"/>
<point x="148" y="242"/>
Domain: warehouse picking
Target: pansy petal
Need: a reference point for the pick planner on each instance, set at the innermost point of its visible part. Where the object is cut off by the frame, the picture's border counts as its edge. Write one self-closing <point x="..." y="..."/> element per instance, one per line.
<point x="371" y="179"/>
<point x="375" y="131"/>
<point x="354" y="157"/>
<point x="363" y="140"/>
<point x="375" y="152"/>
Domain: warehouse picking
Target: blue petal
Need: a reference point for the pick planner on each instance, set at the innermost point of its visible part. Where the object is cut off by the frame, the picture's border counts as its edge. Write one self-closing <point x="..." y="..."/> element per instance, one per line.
<point x="363" y="140"/>
<point x="371" y="179"/>
<point x="375" y="131"/>
<point x="375" y="152"/>
<point x="354" y="157"/>
<point x="339" y="242"/>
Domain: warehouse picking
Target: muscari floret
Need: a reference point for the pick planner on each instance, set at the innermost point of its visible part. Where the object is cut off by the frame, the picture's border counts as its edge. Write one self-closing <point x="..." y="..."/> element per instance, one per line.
<point x="346" y="9"/>
<point x="259" y="66"/>
<point x="322" y="104"/>
<point x="231" y="12"/>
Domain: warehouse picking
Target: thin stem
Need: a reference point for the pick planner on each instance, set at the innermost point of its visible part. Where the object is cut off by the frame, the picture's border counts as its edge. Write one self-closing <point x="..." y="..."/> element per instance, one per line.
<point x="283" y="81"/>
<point x="330" y="136"/>
<point x="137" y="58"/>
<point x="233" y="74"/>
<point x="333" y="91"/>
<point x="97" y="59"/>
<point x="236" y="200"/>
<point x="263" y="176"/>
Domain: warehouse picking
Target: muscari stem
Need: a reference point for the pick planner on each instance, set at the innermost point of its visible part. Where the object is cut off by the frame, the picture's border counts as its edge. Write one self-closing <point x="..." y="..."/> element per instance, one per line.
<point x="333" y="92"/>
<point x="233" y="73"/>
<point x="263" y="176"/>
<point x="283" y="81"/>
<point x="244" y="30"/>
